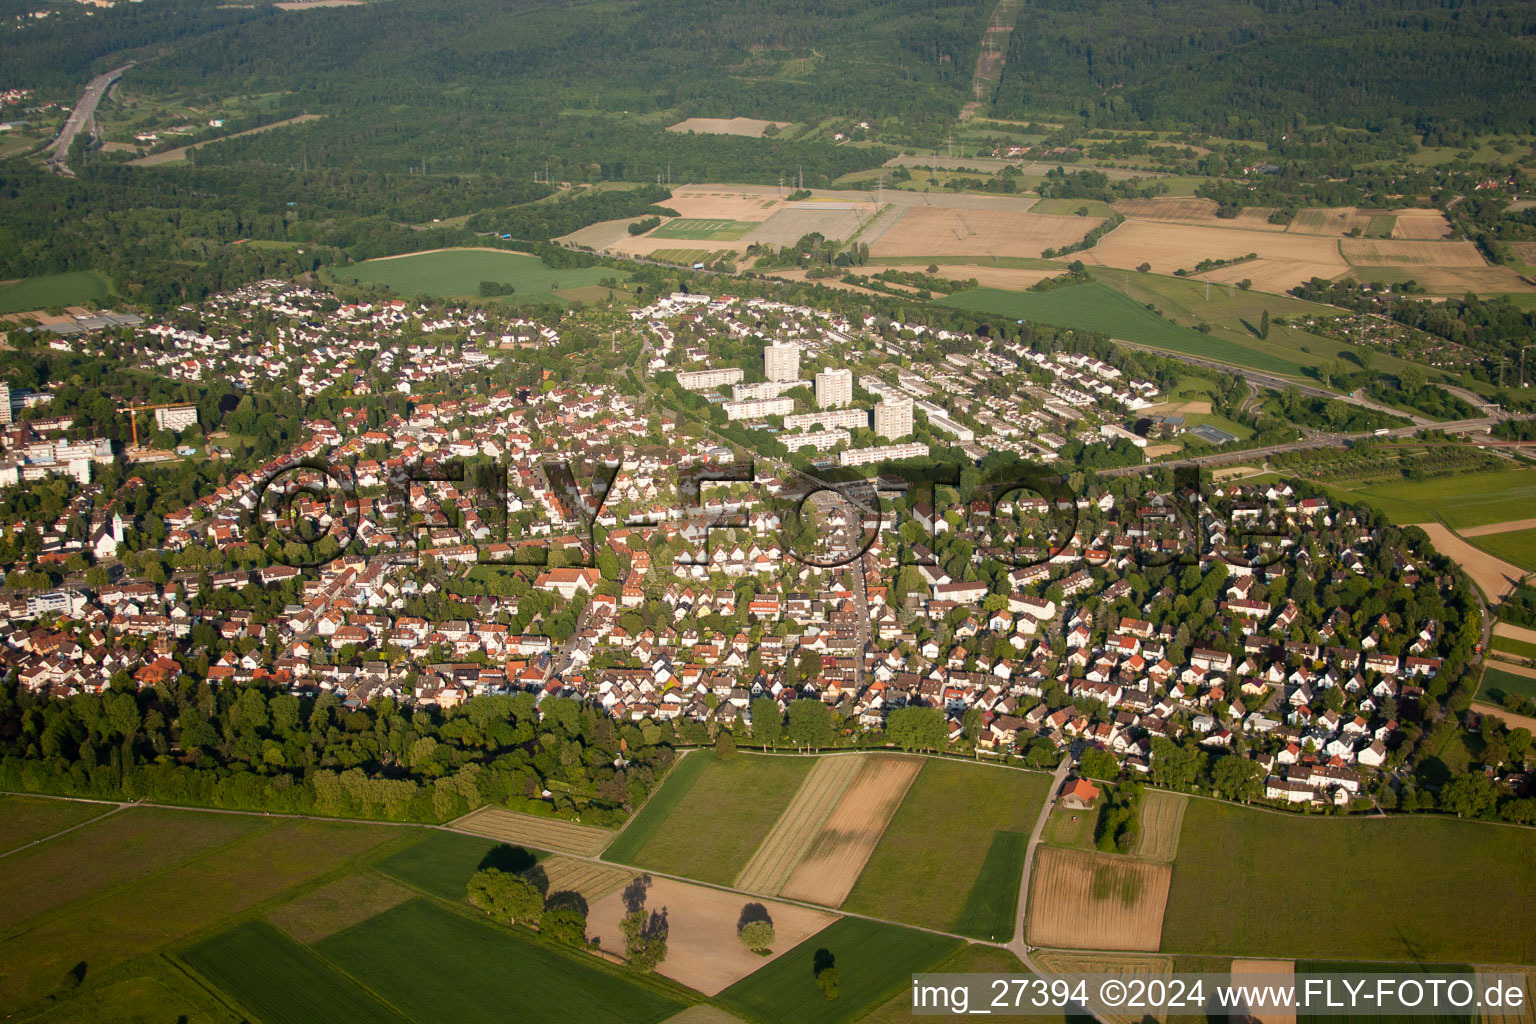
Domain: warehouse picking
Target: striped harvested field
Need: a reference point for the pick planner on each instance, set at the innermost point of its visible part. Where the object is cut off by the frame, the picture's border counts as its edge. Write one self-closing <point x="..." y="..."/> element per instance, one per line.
<point x="1421" y="224"/>
<point x="1393" y="252"/>
<point x="1523" y="1014"/>
<point x="1096" y="900"/>
<point x="592" y="880"/>
<point x="836" y="859"/>
<point x="1125" y="965"/>
<point x="1162" y="815"/>
<point x="550" y="834"/>
<point x="1337" y="220"/>
<point x="774" y="861"/>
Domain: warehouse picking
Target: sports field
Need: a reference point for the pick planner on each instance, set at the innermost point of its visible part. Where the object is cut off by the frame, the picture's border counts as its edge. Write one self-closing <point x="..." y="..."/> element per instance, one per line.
<point x="75" y="288"/>
<point x="704" y="229"/>
<point x="1472" y="499"/>
<point x="945" y="834"/>
<point x="457" y="273"/>
<point x="435" y="964"/>
<point x="712" y="829"/>
<point x="874" y="963"/>
<point x="1256" y="883"/>
<point x="279" y="980"/>
<point x="1097" y="307"/>
<point x="443" y="862"/>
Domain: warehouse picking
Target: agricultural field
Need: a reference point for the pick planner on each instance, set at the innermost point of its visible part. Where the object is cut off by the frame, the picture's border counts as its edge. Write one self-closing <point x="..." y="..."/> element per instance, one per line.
<point x="703" y="951"/>
<point x="150" y="989"/>
<point x="1471" y="499"/>
<point x="1509" y="645"/>
<point x="1383" y="252"/>
<point x="1238" y="888"/>
<point x="1069" y="207"/>
<point x="943" y="231"/>
<point x="553" y="834"/>
<point x="1498" y="681"/>
<point x="1284" y="259"/>
<point x="1190" y="210"/>
<point x="944" y="833"/>
<point x="25" y="819"/>
<point x="1162" y="818"/>
<point x="703" y="229"/>
<point x="339" y="904"/>
<point x="408" y="955"/>
<point x="1097" y="307"/>
<point x="457" y="273"/>
<point x="591" y="880"/>
<point x="1096" y="900"/>
<point x="971" y="959"/>
<point x="131" y="883"/>
<point x="874" y="962"/>
<point x="74" y="288"/>
<point x="785" y="845"/>
<point x="645" y="822"/>
<point x="1420" y="224"/>
<point x="1278" y="972"/>
<point x="443" y="862"/>
<point x="1125" y="965"/>
<point x="750" y="791"/>
<point x="751" y="127"/>
<point x="839" y="851"/>
<point x="277" y="979"/>
<point x="794" y="221"/>
<point x="1334" y="221"/>
<point x="1518" y="547"/>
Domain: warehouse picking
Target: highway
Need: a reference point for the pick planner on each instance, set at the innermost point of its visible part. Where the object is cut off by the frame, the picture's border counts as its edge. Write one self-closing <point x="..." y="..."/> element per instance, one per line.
<point x="83" y="116"/>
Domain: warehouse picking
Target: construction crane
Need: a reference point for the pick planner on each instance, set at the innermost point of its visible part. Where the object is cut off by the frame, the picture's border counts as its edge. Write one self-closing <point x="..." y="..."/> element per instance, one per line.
<point x="132" y="410"/>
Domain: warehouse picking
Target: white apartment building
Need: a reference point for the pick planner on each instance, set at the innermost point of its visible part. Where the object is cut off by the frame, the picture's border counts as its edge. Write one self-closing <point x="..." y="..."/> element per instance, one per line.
<point x="893" y="417"/>
<point x="758" y="407"/>
<point x="834" y="389"/>
<point x="831" y="419"/>
<point x="781" y="361"/>
<point x="706" y="380"/>
<point x="864" y="456"/>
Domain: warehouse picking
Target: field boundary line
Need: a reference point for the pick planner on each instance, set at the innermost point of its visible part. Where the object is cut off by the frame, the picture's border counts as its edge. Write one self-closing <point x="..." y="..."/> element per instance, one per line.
<point x="66" y="831"/>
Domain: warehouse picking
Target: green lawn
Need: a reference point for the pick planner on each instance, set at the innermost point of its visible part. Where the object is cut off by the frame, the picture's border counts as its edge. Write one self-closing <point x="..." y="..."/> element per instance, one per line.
<point x="684" y="774"/>
<point x="939" y="864"/>
<point x="1517" y="547"/>
<point x="1497" y="682"/>
<point x="711" y="830"/>
<point x="1255" y="883"/>
<point x="1072" y="829"/>
<point x="1470" y="499"/>
<point x="457" y="273"/>
<point x="438" y="965"/>
<point x="1098" y="307"/>
<point x="443" y="862"/>
<point x="75" y="288"/>
<point x="874" y="963"/>
<point x="267" y="972"/>
<point x="704" y="229"/>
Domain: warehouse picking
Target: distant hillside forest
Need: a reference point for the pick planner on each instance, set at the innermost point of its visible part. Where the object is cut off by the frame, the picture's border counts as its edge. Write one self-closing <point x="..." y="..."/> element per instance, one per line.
<point x="1237" y="66"/>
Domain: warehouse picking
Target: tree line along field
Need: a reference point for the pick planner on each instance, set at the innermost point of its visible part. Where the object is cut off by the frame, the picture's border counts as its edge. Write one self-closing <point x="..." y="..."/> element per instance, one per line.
<point x="1250" y="882"/>
<point x="457" y="273"/>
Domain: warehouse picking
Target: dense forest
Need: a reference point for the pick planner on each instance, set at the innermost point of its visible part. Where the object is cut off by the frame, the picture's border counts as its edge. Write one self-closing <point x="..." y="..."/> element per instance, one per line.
<point x="1239" y="66"/>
